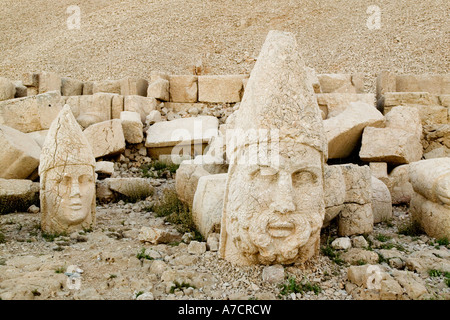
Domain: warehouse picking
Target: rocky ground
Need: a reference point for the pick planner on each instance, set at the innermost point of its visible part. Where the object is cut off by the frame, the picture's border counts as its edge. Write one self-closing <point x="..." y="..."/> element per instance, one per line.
<point x="114" y="264"/>
<point x="132" y="38"/>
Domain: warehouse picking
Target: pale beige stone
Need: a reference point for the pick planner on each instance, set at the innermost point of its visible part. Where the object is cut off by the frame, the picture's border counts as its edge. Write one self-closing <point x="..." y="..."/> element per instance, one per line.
<point x="117" y="105"/>
<point x="32" y="91"/>
<point x="49" y="81"/>
<point x="183" y="88"/>
<point x="411" y="283"/>
<point x="312" y="78"/>
<point x="88" y="88"/>
<point x="390" y="145"/>
<point x="405" y="118"/>
<point x="39" y="137"/>
<point x="132" y="126"/>
<point x="379" y="170"/>
<point x="182" y="132"/>
<point x="220" y="88"/>
<point x="142" y="105"/>
<point x="133" y="86"/>
<point x="159" y="89"/>
<point x="354" y="255"/>
<point x="343" y="243"/>
<point x="186" y="180"/>
<point x="31" y="113"/>
<point x="106" y="138"/>
<point x="335" y="103"/>
<point x="430" y="203"/>
<point x="17" y="195"/>
<point x="381" y="201"/>
<point x="208" y="203"/>
<point x="432" y="83"/>
<point x="399" y="186"/>
<point x="153" y="117"/>
<point x="71" y="87"/>
<point x="67" y="177"/>
<point x="7" y="89"/>
<point x="335" y="192"/>
<point x="93" y="109"/>
<point x="157" y="235"/>
<point x="21" y="90"/>
<point x="20" y="154"/>
<point x="386" y="82"/>
<point x="104" y="168"/>
<point x="393" y="99"/>
<point x="155" y="75"/>
<point x="196" y="247"/>
<point x="264" y="220"/>
<point x="432" y="114"/>
<point x="30" y="79"/>
<point x="180" y="107"/>
<point x="108" y="86"/>
<point x="344" y="131"/>
<point x="390" y="290"/>
<point x="339" y="83"/>
<point x="136" y="188"/>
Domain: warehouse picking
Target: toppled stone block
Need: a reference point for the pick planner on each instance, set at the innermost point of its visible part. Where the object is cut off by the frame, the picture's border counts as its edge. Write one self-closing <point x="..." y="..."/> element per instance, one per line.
<point x="196" y="247"/>
<point x="20" y="154"/>
<point x="135" y="188"/>
<point x="71" y="87"/>
<point x="381" y="201"/>
<point x="405" y="118"/>
<point x="7" y="89"/>
<point x="355" y="255"/>
<point x="106" y="138"/>
<point x="335" y="103"/>
<point x="183" y="88"/>
<point x="399" y="186"/>
<point x="139" y="104"/>
<point x="18" y="195"/>
<point x="31" y="113"/>
<point x="393" y="99"/>
<point x="159" y="89"/>
<point x="117" y="106"/>
<point x="183" y="107"/>
<point x="344" y="131"/>
<point x="108" y="86"/>
<point x="208" y="203"/>
<point x="157" y="236"/>
<point x="186" y="181"/>
<point x="343" y="243"/>
<point x="132" y="126"/>
<point x="49" y="81"/>
<point x="432" y="83"/>
<point x="341" y="83"/>
<point x="220" y="88"/>
<point x="104" y="168"/>
<point x="133" y="86"/>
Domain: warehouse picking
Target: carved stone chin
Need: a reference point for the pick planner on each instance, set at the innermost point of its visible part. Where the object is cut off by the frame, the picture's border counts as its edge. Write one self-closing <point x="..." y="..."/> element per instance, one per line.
<point x="67" y="171"/>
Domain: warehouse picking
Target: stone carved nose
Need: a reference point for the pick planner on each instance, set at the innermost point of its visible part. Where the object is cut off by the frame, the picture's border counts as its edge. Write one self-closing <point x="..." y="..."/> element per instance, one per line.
<point x="75" y="190"/>
<point x="284" y="195"/>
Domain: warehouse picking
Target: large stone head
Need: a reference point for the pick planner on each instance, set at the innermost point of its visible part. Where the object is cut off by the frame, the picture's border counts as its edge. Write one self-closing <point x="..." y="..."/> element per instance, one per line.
<point x="67" y="171"/>
<point x="274" y="199"/>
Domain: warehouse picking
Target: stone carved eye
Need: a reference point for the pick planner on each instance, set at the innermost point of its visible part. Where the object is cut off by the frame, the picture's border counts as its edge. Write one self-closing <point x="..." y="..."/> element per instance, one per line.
<point x="85" y="179"/>
<point x="304" y="177"/>
<point x="264" y="172"/>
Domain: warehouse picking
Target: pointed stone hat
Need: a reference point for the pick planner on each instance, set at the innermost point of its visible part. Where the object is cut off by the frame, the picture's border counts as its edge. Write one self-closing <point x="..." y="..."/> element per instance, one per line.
<point x="280" y="95"/>
<point x="65" y="144"/>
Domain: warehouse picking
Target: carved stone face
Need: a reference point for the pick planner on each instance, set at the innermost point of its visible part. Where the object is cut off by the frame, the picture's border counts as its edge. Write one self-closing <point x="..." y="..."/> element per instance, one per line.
<point x="273" y="211"/>
<point x="69" y="196"/>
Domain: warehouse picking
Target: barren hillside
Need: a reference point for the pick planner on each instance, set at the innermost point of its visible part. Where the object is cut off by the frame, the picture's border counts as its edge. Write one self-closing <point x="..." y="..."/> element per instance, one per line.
<point x="131" y="38"/>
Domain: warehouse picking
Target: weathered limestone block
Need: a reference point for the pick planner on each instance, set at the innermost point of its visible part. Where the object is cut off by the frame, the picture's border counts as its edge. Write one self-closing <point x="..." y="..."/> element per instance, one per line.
<point x="344" y="131"/>
<point x="390" y="145"/>
<point x="335" y="192"/>
<point x="312" y="78"/>
<point x="133" y="86"/>
<point x="355" y="255"/>
<point x="381" y="201"/>
<point x="18" y="195"/>
<point x="157" y="235"/>
<point x="67" y="174"/>
<point x="108" y="86"/>
<point x="104" y="168"/>
<point x="21" y="90"/>
<point x="341" y="83"/>
<point x="220" y="88"/>
<point x="183" y="88"/>
<point x="399" y="186"/>
<point x="38" y="136"/>
<point x="132" y="126"/>
<point x="393" y="99"/>
<point x="106" y="138"/>
<point x="88" y="88"/>
<point x="405" y="118"/>
<point x="7" y="89"/>
<point x="208" y="203"/>
<point x="432" y="83"/>
<point x="49" y="81"/>
<point x="386" y="82"/>
<point x="136" y="188"/>
<point x="436" y="136"/>
<point x="20" y="154"/>
<point x="71" y="87"/>
<point x="335" y="103"/>
<point x="30" y="79"/>
<point x="179" y="107"/>
<point x="430" y="203"/>
<point x="264" y="220"/>
<point x="379" y="171"/>
<point x="440" y="152"/>
<point x="139" y="104"/>
<point x="91" y="109"/>
<point x="432" y="114"/>
<point x="116" y="106"/>
<point x="159" y="89"/>
<point x="186" y="181"/>
<point x="186" y="135"/>
<point x="31" y="113"/>
<point x="153" y="117"/>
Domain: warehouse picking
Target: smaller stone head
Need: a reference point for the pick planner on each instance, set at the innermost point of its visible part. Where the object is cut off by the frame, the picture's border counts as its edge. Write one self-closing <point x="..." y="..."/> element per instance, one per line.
<point x="67" y="171"/>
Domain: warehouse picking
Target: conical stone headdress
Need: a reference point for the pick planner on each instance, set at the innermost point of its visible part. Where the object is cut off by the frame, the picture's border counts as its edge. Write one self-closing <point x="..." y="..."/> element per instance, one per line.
<point x="279" y="95"/>
<point x="65" y="144"/>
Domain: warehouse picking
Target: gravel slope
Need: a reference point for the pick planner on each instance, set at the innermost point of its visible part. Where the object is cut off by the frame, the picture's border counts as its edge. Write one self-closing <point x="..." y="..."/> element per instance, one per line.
<point x="132" y="38"/>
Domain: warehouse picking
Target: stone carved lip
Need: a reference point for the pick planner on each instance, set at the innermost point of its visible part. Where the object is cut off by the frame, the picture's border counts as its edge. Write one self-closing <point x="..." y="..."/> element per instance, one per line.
<point x="280" y="229"/>
<point x="76" y="206"/>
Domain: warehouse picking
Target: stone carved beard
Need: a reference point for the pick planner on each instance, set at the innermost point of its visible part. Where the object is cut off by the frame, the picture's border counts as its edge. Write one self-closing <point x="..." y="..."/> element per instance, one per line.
<point x="69" y="198"/>
<point x="274" y="212"/>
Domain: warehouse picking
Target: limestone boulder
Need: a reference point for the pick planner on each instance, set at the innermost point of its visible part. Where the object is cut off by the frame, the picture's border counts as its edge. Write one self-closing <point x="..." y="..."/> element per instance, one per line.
<point x="399" y="186"/>
<point x="183" y="88"/>
<point x="49" y="81"/>
<point x="159" y="89"/>
<point x="344" y="131"/>
<point x="381" y="201"/>
<point x="186" y="181"/>
<point x="106" y="138"/>
<point x="104" y="168"/>
<point x="391" y="145"/>
<point x="132" y="126"/>
<point x="18" y="195"/>
<point x="341" y="83"/>
<point x="139" y="104"/>
<point x="158" y="235"/>
<point x="30" y="114"/>
<point x="133" y="86"/>
<point x="433" y="83"/>
<point x="7" y="89"/>
<point x="208" y="203"/>
<point x="220" y="88"/>
<point x="335" y="103"/>
<point x="135" y="188"/>
<point x="405" y="118"/>
<point x="108" y="86"/>
<point x="20" y="154"/>
<point x="71" y="87"/>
